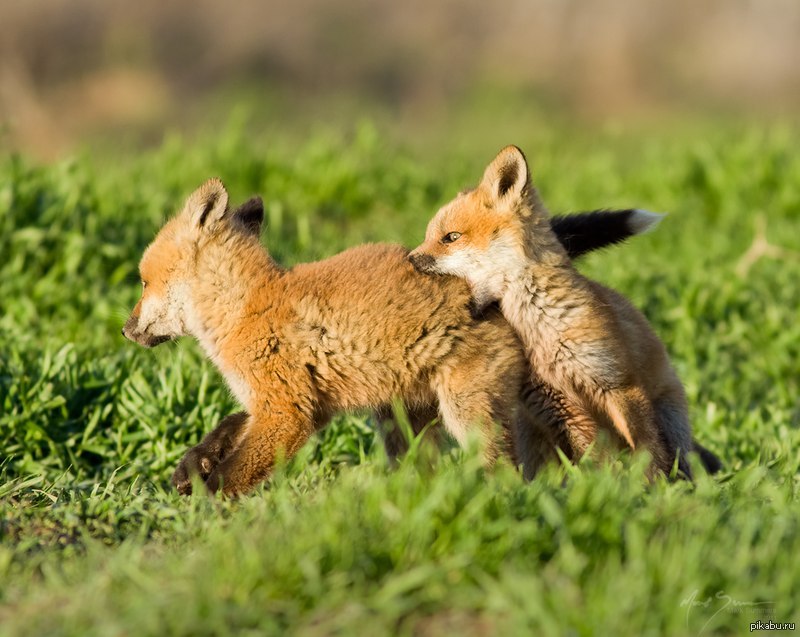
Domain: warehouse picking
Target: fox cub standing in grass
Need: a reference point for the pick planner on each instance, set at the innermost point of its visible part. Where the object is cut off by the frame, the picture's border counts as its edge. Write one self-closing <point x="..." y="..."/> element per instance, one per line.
<point x="351" y="332"/>
<point x="584" y="341"/>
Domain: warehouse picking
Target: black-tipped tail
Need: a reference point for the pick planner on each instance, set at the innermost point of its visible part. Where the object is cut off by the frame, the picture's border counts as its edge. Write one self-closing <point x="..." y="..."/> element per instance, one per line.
<point x="586" y="231"/>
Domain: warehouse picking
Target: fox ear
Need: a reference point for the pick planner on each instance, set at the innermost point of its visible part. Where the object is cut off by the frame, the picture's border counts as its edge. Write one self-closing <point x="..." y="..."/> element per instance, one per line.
<point x="250" y="215"/>
<point x="208" y="204"/>
<point x="507" y="176"/>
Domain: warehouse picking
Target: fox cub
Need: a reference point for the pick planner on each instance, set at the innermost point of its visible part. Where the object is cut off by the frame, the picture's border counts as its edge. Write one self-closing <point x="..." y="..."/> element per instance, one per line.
<point x="585" y="342"/>
<point x="354" y="331"/>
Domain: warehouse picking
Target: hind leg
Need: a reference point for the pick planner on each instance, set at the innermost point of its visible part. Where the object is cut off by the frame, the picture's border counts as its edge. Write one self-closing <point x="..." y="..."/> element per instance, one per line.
<point x="543" y="428"/>
<point x="394" y="438"/>
<point x="583" y="430"/>
<point x="479" y="395"/>
<point x="634" y="418"/>
<point x="467" y="413"/>
<point x="673" y="421"/>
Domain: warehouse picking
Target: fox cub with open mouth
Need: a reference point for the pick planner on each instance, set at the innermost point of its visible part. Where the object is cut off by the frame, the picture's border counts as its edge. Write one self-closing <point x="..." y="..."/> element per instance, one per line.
<point x="586" y="343"/>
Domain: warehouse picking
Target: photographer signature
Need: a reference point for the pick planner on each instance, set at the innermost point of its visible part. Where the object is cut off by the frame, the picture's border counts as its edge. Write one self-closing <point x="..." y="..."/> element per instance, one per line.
<point x="728" y="602"/>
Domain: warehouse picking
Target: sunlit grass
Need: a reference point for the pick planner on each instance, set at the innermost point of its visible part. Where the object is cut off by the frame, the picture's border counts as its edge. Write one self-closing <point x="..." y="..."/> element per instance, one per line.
<point x="94" y="541"/>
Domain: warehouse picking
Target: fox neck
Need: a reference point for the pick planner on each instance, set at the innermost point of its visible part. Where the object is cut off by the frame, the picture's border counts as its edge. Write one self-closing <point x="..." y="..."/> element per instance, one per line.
<point x="543" y="300"/>
<point x="226" y="274"/>
<point x="542" y="247"/>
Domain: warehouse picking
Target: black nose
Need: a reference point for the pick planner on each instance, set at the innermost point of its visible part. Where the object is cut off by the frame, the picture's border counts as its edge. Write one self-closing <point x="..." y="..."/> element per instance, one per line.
<point x="130" y="326"/>
<point x="422" y="262"/>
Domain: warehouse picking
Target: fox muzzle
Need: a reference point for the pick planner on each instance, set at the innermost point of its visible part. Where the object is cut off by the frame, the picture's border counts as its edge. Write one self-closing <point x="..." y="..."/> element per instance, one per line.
<point x="131" y="331"/>
<point x="422" y="262"/>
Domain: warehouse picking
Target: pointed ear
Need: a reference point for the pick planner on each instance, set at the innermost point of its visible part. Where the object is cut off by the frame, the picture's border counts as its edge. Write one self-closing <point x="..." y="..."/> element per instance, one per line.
<point x="250" y="215"/>
<point x="507" y="176"/>
<point x="208" y="204"/>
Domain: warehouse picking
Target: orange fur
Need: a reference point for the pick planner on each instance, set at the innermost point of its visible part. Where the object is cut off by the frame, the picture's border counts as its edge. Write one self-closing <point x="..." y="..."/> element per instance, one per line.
<point x="295" y="346"/>
<point x="355" y="331"/>
<point x="585" y="342"/>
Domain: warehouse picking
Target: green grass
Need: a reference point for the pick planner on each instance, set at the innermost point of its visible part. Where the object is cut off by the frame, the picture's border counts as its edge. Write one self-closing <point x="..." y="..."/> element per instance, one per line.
<point x="94" y="542"/>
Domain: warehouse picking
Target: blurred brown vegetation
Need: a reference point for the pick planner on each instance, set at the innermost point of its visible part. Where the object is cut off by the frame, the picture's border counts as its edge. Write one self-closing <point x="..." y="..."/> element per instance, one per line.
<point x="72" y="70"/>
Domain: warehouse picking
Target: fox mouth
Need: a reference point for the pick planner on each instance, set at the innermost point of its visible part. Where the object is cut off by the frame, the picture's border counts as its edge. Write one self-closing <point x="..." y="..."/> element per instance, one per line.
<point x="152" y="341"/>
<point x="131" y="332"/>
<point x="145" y="340"/>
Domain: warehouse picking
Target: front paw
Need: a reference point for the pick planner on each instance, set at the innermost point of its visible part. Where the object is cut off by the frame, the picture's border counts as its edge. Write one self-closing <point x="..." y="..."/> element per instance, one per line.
<point x="230" y="478"/>
<point x="196" y="462"/>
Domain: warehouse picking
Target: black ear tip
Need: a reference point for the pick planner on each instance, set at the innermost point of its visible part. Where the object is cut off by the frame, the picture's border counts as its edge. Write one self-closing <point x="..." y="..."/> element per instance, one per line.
<point x="252" y="207"/>
<point x="251" y="214"/>
<point x="254" y="203"/>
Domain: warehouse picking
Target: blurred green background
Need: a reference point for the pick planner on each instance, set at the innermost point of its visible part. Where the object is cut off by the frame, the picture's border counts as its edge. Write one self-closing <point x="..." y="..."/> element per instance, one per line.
<point x="355" y="120"/>
<point x="90" y="72"/>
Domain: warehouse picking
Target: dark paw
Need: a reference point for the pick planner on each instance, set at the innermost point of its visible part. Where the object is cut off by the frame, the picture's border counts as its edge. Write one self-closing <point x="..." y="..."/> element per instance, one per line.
<point x="227" y="479"/>
<point x="196" y="462"/>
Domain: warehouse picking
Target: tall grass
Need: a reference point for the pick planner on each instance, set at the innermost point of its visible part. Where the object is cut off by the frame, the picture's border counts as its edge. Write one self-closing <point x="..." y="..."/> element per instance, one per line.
<point x="94" y="541"/>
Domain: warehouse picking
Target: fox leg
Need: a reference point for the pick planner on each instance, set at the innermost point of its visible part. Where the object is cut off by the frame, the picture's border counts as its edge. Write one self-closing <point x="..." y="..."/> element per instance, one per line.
<point x="488" y="409"/>
<point x="673" y="422"/>
<point x="469" y="413"/>
<point x="580" y="427"/>
<point x="542" y="428"/>
<point x="203" y="458"/>
<point x="634" y="418"/>
<point x="394" y="439"/>
<point x="265" y="438"/>
<point x="576" y="428"/>
<point x="276" y="429"/>
<point x="478" y="385"/>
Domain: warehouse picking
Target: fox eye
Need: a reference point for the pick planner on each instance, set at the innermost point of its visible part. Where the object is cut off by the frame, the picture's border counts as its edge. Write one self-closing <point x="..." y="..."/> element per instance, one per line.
<point x="144" y="284"/>
<point x="450" y="237"/>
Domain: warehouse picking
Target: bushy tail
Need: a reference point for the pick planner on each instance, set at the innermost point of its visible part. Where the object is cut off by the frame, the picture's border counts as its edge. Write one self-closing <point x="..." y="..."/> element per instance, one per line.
<point x="586" y="231"/>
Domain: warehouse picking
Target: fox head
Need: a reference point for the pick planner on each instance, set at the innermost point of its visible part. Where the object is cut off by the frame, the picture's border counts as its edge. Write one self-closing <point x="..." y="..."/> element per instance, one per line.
<point x="485" y="234"/>
<point x="168" y="268"/>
